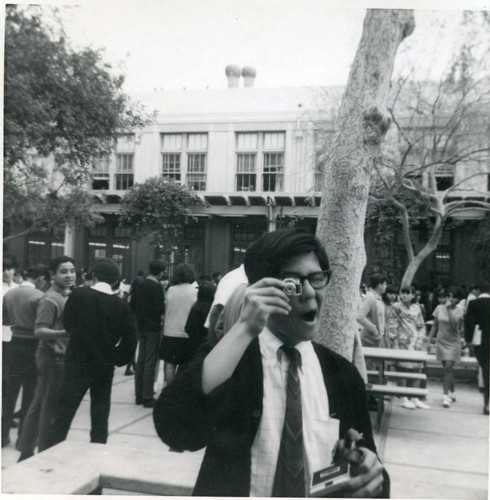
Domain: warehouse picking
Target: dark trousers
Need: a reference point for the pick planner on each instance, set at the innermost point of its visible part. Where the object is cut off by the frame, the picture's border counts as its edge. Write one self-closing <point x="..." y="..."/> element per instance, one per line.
<point x="42" y="410"/>
<point x="19" y="371"/>
<point x="77" y="381"/>
<point x="144" y="377"/>
<point x="482" y="358"/>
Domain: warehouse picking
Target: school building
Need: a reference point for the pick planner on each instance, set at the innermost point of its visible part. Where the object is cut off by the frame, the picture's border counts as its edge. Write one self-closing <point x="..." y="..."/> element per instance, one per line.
<point x="251" y="154"/>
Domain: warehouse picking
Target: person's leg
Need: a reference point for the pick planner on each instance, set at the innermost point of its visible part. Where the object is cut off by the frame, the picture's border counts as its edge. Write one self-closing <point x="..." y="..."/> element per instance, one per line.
<point x="151" y="358"/>
<point x="482" y="358"/>
<point x="450" y="368"/>
<point x="72" y="391"/>
<point x="11" y="384"/>
<point x="100" y="406"/>
<point x="29" y="377"/>
<point x="445" y="378"/>
<point x="54" y="380"/>
<point x="30" y="429"/>
<point x="140" y="367"/>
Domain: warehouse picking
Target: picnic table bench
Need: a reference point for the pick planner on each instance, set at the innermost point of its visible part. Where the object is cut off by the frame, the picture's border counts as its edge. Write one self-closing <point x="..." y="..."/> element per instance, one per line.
<point x="78" y="468"/>
<point x="381" y="388"/>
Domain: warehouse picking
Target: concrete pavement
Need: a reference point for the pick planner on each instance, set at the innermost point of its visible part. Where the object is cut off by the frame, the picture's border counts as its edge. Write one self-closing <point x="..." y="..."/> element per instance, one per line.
<point x="435" y="453"/>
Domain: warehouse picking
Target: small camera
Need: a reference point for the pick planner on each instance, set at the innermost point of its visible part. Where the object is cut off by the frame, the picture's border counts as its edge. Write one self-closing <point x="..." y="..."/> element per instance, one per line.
<point x="332" y="478"/>
<point x="292" y="286"/>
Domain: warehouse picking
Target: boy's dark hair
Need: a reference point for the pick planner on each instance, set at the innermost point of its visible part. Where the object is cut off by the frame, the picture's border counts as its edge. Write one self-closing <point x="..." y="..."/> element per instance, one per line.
<point x="106" y="270"/>
<point x="156" y="267"/>
<point x="57" y="261"/>
<point x="456" y="292"/>
<point x="9" y="263"/>
<point x="184" y="273"/>
<point x="36" y="271"/>
<point x="408" y="289"/>
<point x="266" y="256"/>
<point x="206" y="292"/>
<point x="483" y="286"/>
<point x="376" y="279"/>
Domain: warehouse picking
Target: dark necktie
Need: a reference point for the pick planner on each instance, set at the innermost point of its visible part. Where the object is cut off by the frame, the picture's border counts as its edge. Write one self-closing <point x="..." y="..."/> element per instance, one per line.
<point x="289" y="480"/>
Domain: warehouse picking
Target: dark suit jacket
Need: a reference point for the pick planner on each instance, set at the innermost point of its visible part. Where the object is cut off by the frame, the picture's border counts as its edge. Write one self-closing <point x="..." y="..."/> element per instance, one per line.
<point x="227" y="420"/>
<point x="478" y="313"/>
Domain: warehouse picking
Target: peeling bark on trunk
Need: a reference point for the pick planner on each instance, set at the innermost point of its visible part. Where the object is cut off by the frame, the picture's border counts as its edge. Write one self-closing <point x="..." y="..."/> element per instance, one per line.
<point x="362" y="124"/>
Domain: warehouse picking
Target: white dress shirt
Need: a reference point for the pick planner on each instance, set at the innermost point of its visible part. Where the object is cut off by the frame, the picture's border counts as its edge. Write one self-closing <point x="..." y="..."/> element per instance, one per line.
<point x="320" y="432"/>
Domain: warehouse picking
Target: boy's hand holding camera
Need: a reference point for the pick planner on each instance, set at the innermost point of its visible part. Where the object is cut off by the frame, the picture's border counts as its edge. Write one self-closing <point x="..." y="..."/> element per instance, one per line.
<point x="262" y="299"/>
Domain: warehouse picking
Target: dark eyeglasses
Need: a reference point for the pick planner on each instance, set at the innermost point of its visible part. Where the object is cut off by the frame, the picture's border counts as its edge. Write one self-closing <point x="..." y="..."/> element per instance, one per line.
<point x="317" y="280"/>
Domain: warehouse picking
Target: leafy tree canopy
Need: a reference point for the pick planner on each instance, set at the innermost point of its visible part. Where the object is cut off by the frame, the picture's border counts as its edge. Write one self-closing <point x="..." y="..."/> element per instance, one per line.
<point x="161" y="208"/>
<point x="60" y="104"/>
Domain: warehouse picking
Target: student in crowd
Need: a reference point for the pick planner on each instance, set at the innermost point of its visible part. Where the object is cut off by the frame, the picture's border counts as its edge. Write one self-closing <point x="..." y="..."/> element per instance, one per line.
<point x="448" y="330"/>
<point x="19" y="311"/>
<point x="102" y="335"/>
<point x="227" y="285"/>
<point x="371" y="314"/>
<point x="407" y="327"/>
<point x="234" y="398"/>
<point x="50" y="357"/>
<point x="180" y="297"/>
<point x="194" y="326"/>
<point x="148" y="305"/>
<point x="477" y="326"/>
<point x="9" y="266"/>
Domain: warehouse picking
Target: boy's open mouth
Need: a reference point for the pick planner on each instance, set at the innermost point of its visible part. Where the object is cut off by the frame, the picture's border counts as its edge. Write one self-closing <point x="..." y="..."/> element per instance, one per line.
<point x="309" y="316"/>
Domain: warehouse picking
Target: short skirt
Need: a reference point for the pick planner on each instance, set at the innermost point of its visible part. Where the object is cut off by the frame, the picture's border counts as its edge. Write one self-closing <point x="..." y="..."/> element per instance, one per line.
<point x="175" y="350"/>
<point x="446" y="351"/>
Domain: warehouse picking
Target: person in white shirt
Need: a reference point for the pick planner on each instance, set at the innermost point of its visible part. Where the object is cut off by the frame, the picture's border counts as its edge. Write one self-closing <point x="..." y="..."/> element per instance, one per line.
<point x="235" y="398"/>
<point x="227" y="285"/>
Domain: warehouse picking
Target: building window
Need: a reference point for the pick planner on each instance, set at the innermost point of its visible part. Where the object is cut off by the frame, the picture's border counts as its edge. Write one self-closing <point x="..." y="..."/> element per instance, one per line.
<point x="444" y="177"/>
<point x="322" y="141"/>
<point x="100" y="176"/>
<point x="245" y="177"/>
<point x="260" y="154"/>
<point x="124" y="171"/>
<point x="442" y="262"/>
<point x="98" y="231"/>
<point x="273" y="176"/>
<point x="196" y="171"/>
<point x="171" y="166"/>
<point x="184" y="156"/>
<point x="243" y="235"/>
<point x="122" y="232"/>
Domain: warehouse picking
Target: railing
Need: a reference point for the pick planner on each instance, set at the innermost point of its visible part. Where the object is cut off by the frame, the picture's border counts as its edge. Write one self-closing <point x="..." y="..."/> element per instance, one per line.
<point x="79" y="468"/>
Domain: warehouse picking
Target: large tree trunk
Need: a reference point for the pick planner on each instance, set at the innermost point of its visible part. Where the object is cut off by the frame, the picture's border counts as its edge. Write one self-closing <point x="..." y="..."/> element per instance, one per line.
<point x="416" y="261"/>
<point x="362" y="124"/>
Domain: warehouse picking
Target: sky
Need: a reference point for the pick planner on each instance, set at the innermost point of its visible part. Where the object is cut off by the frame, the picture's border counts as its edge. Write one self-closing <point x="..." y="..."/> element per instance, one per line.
<point x="175" y="44"/>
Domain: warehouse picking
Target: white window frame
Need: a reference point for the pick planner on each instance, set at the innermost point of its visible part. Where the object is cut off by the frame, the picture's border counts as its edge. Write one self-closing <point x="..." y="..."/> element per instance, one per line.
<point x="260" y="145"/>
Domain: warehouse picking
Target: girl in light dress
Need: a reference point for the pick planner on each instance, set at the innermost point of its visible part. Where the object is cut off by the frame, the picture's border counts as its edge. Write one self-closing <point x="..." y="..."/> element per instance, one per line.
<point x="448" y="329"/>
<point x="407" y="329"/>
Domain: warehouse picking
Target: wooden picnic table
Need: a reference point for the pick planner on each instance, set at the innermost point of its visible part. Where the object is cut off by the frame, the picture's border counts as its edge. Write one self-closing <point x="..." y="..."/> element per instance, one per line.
<point x="381" y="389"/>
<point x="385" y="355"/>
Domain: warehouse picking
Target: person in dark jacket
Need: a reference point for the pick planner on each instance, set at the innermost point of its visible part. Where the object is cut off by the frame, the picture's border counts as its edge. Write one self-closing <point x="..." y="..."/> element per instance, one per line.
<point x="478" y="315"/>
<point x="194" y="326"/>
<point x="241" y="400"/>
<point x="148" y="305"/>
<point x="102" y="335"/>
